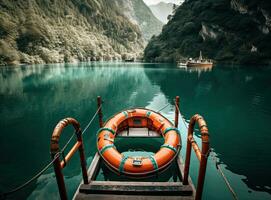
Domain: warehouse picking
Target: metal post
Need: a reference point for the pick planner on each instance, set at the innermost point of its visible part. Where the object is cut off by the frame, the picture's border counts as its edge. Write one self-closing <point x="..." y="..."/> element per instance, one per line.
<point x="201" y="155"/>
<point x="55" y="150"/>
<point x="59" y="178"/>
<point x="82" y="157"/>
<point x="177" y="101"/>
<point x="99" y="104"/>
<point x="202" y="171"/>
<point x="204" y="155"/>
<point x="187" y="156"/>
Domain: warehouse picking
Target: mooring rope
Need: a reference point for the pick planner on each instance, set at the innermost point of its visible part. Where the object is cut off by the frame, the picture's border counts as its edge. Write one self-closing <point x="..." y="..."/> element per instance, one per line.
<point x="36" y="176"/>
<point x="85" y="129"/>
<point x="162" y="108"/>
<point x="90" y="122"/>
<point x="215" y="160"/>
<point x="185" y="123"/>
<point x="217" y="165"/>
<point x="5" y="194"/>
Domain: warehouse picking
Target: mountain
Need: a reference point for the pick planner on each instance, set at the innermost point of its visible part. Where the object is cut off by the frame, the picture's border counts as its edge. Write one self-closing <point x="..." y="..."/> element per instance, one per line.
<point x="140" y="14"/>
<point x="162" y="10"/>
<point x="51" y="31"/>
<point x="229" y="31"/>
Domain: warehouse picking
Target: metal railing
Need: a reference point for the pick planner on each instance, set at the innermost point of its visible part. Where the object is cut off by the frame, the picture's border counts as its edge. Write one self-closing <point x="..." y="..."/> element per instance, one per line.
<point x="55" y="150"/>
<point x="78" y="146"/>
<point x="202" y="154"/>
<point x="56" y="153"/>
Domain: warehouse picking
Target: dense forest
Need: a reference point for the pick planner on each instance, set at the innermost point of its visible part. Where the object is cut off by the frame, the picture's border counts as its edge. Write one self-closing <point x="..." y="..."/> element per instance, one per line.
<point x="51" y="31"/>
<point x="229" y="31"/>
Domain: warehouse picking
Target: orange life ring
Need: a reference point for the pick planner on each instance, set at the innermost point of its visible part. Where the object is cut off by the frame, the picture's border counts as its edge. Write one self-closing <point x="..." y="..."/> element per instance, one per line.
<point x="132" y="165"/>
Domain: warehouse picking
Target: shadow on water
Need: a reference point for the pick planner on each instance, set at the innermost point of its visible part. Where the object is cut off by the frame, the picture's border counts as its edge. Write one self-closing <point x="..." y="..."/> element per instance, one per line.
<point x="236" y="105"/>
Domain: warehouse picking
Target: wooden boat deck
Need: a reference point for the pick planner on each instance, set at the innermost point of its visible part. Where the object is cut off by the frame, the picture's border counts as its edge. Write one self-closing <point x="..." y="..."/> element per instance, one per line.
<point x="124" y="190"/>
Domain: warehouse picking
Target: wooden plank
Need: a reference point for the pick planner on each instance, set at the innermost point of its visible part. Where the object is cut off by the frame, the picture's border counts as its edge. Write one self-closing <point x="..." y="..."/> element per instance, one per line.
<point x="116" y="190"/>
<point x="92" y="172"/>
<point x="138" y="183"/>
<point x="94" y="167"/>
<point x="180" y="165"/>
<point x="131" y="188"/>
<point x="82" y="196"/>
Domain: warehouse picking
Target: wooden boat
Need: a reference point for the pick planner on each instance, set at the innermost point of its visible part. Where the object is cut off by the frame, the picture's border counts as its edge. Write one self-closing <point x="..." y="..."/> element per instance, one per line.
<point x="200" y="62"/>
<point x="182" y="63"/>
<point x="143" y="123"/>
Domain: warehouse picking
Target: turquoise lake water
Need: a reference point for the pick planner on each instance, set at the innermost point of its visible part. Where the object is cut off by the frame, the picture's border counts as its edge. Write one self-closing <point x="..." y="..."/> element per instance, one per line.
<point x="235" y="101"/>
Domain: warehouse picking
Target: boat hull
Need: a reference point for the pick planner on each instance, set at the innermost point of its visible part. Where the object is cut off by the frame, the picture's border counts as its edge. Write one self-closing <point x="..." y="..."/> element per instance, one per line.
<point x="182" y="64"/>
<point x="199" y="64"/>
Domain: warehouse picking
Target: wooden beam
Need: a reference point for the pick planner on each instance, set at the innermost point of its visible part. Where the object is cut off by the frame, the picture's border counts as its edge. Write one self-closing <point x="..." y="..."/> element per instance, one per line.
<point x="132" y="188"/>
<point x="180" y="165"/>
<point x="94" y="167"/>
<point x="83" y="196"/>
<point x="136" y="184"/>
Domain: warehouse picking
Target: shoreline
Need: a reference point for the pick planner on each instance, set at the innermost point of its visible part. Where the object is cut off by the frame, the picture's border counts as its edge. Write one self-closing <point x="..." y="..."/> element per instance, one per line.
<point x="220" y="64"/>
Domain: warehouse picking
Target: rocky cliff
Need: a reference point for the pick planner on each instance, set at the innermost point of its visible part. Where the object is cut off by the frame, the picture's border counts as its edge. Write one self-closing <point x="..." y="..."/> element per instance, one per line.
<point x="50" y="31"/>
<point x="232" y="31"/>
<point x="162" y="10"/>
<point x="140" y="14"/>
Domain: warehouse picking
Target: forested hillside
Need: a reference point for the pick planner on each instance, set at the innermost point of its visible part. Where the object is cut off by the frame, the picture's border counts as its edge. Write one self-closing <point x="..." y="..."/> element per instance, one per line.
<point x="50" y="31"/>
<point x="231" y="31"/>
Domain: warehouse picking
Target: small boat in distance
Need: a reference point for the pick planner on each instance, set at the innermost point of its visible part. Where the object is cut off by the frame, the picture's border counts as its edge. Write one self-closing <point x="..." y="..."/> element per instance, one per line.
<point x="200" y="62"/>
<point x="182" y="63"/>
<point x="129" y="60"/>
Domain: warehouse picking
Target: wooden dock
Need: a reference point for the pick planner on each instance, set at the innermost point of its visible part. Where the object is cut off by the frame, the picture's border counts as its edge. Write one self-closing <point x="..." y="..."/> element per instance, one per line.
<point x="119" y="190"/>
<point x="91" y="187"/>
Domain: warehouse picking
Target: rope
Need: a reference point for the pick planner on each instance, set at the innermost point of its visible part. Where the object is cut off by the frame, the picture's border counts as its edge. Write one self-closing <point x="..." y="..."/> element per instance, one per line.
<point x="5" y="194"/>
<point x="234" y="195"/>
<point x="90" y="122"/>
<point x="66" y="145"/>
<point x="163" y="107"/>
<point x="181" y="115"/>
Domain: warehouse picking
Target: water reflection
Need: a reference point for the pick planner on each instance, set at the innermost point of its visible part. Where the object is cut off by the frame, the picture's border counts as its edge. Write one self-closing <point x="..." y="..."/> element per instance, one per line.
<point x="235" y="103"/>
<point x="196" y="69"/>
<point x="34" y="98"/>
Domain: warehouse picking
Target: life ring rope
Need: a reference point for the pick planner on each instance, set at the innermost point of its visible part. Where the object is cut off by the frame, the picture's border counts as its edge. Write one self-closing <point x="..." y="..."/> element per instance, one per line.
<point x="154" y="162"/>
<point x="107" y="147"/>
<point x="125" y="114"/>
<point x="106" y="129"/>
<point x="121" y="167"/>
<point x="148" y="113"/>
<point x="171" y="129"/>
<point x="169" y="147"/>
